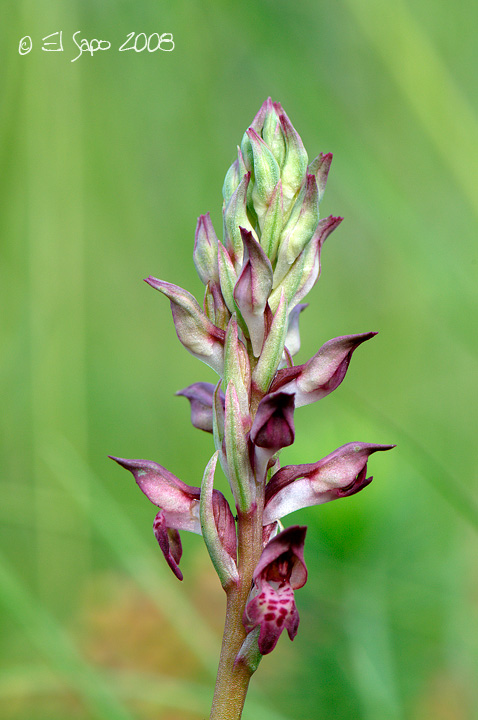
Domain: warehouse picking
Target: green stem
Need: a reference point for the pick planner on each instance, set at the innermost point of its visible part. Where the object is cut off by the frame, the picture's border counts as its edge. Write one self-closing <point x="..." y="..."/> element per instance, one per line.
<point x="233" y="680"/>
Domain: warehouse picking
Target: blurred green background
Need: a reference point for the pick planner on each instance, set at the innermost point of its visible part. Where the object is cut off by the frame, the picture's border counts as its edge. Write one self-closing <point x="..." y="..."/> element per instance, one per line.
<point x="105" y="165"/>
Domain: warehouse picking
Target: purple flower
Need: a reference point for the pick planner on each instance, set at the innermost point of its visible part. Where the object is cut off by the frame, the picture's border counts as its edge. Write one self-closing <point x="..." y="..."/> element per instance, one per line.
<point x="339" y="474"/>
<point x="281" y="570"/>
<point x="179" y="509"/>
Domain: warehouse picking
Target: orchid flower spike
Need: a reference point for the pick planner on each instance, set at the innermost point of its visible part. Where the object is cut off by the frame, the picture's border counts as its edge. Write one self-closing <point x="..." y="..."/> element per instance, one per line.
<point x="256" y="275"/>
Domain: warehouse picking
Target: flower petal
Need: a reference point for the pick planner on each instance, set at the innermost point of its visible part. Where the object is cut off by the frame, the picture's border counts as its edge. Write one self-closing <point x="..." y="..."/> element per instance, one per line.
<point x="280" y="570"/>
<point x="169" y="542"/>
<point x="292" y="339"/>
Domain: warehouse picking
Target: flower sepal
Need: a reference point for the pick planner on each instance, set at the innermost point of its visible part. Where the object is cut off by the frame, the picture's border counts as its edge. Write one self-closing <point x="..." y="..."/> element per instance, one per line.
<point x="194" y="329"/>
<point x="323" y="373"/>
<point x="340" y="474"/>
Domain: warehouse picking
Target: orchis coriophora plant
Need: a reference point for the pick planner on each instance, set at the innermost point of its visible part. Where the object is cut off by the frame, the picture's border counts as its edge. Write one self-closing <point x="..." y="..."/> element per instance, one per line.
<point x="248" y="331"/>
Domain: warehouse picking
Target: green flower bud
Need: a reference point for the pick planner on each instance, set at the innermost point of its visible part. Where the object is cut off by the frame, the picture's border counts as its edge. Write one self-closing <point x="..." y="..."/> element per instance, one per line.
<point x="205" y="250"/>
<point x="272" y="226"/>
<point x="272" y="349"/>
<point x="236" y="366"/>
<point x="295" y="163"/>
<point x="266" y="174"/>
<point x="237" y="451"/>
<point x="320" y="167"/>
<point x="231" y="181"/>
<point x="227" y="277"/>
<point x="235" y="216"/>
<point x="299" y="230"/>
<point x="273" y="135"/>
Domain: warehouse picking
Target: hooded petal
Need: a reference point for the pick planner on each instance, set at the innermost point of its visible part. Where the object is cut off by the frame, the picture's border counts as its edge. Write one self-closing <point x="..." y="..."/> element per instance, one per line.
<point x="201" y="395"/>
<point x="339" y="474"/>
<point x="273" y="425"/>
<point x="283" y="558"/>
<point x="272" y="429"/>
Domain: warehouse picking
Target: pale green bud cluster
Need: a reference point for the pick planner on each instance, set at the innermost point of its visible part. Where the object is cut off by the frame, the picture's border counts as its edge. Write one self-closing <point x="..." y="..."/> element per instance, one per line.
<point x="271" y="191"/>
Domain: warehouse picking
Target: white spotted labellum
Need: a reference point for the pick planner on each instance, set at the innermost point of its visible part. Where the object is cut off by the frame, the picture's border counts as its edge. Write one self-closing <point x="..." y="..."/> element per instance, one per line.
<point x="281" y="570"/>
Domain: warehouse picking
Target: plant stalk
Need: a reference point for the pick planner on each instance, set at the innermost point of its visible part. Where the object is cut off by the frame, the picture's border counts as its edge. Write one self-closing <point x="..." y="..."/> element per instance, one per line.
<point x="233" y="679"/>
